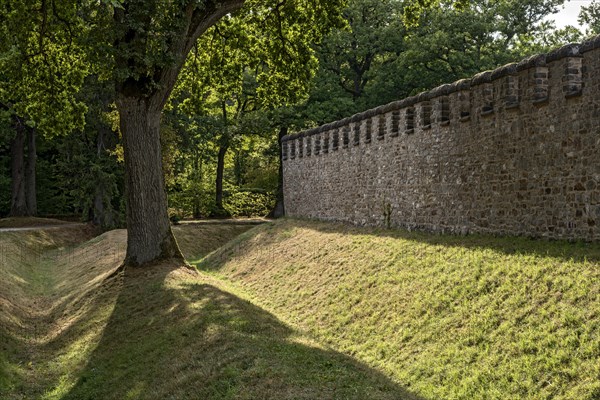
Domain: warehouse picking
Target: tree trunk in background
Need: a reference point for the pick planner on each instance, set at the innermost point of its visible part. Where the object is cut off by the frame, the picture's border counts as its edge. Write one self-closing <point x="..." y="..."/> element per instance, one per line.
<point x="102" y="213"/>
<point x="279" y="209"/>
<point x="238" y="167"/>
<point x="30" y="178"/>
<point x="18" y="201"/>
<point x="149" y="235"/>
<point x="196" y="213"/>
<point x="219" y="210"/>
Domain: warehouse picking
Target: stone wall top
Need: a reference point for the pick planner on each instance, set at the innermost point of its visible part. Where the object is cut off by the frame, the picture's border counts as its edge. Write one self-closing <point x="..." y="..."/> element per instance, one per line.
<point x="540" y="60"/>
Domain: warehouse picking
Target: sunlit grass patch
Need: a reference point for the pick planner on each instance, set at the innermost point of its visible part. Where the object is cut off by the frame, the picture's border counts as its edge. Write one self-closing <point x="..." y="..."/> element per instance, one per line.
<point x="449" y="317"/>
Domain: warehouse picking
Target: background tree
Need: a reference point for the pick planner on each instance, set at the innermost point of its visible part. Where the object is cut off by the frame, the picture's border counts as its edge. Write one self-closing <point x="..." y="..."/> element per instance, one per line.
<point x="41" y="70"/>
<point x="590" y="16"/>
<point x="237" y="73"/>
<point x="381" y="56"/>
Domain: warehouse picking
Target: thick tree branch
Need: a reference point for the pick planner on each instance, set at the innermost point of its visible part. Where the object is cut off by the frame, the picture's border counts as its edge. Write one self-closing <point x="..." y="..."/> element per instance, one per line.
<point x="199" y="22"/>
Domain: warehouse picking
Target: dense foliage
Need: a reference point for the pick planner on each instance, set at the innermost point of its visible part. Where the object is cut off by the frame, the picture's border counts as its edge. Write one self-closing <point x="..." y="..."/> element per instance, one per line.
<point x="244" y="80"/>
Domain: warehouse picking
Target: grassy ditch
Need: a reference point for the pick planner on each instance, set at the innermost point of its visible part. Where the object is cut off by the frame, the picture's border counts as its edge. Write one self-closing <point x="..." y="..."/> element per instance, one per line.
<point x="80" y="330"/>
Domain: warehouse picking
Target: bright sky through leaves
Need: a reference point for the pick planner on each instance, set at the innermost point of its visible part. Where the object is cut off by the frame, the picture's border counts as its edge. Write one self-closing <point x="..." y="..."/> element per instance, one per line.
<point x="569" y="13"/>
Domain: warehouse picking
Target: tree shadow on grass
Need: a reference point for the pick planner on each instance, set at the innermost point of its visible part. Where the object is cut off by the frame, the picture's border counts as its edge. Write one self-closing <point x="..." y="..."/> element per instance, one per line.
<point x="175" y="335"/>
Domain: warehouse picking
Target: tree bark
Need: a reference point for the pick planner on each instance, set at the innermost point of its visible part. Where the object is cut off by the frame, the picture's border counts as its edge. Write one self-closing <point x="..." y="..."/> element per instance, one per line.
<point x="149" y="235"/>
<point x="220" y="211"/>
<point x="30" y="178"/>
<point x="140" y="100"/>
<point x="279" y="209"/>
<point x="18" y="203"/>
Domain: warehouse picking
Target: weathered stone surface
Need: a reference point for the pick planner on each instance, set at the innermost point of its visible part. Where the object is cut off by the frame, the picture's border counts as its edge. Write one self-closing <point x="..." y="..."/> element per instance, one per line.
<point x="529" y="167"/>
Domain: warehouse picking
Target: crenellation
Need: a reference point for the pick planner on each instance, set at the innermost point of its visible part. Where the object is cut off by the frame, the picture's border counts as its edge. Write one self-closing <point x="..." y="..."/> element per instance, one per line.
<point x="443" y="114"/>
<point x="511" y="98"/>
<point x="540" y="90"/>
<point x="293" y="150"/>
<point x="325" y="143"/>
<point x="336" y="139"/>
<point x="573" y="82"/>
<point x="395" y="129"/>
<point x="425" y="110"/>
<point x="284" y="150"/>
<point x="356" y="133"/>
<point x="346" y="136"/>
<point x="368" y="131"/>
<point x="518" y="154"/>
<point x="409" y="120"/>
<point x="464" y="98"/>
<point x="487" y="99"/>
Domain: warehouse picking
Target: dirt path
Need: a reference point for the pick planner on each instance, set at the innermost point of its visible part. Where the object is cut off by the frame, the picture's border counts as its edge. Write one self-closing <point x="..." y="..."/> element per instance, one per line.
<point x="38" y="227"/>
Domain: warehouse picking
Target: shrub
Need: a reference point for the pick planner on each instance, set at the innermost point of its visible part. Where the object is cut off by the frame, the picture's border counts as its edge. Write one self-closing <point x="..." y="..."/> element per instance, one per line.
<point x="249" y="202"/>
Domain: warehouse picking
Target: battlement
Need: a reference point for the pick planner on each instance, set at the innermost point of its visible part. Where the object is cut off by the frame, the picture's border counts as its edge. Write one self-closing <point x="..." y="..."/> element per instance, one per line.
<point x="420" y="160"/>
<point x="488" y="92"/>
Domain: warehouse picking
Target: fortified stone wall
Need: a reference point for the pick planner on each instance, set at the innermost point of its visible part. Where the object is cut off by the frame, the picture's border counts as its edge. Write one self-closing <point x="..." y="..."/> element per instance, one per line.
<point x="511" y="151"/>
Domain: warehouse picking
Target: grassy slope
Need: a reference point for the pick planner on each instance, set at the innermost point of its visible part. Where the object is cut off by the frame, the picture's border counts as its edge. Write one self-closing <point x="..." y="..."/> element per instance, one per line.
<point x="448" y="317"/>
<point x="73" y="329"/>
<point x="49" y="295"/>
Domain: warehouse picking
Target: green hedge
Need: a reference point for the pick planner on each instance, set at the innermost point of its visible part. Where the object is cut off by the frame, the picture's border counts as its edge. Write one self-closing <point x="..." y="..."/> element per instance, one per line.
<point x="249" y="203"/>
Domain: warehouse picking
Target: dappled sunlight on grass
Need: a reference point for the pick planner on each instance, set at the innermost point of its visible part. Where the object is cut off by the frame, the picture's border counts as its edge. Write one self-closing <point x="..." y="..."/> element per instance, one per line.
<point x="213" y="345"/>
<point x="158" y="332"/>
<point x="57" y="307"/>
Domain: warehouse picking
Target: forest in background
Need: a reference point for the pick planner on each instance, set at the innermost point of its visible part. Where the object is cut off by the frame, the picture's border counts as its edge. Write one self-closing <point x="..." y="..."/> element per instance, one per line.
<point x="61" y="151"/>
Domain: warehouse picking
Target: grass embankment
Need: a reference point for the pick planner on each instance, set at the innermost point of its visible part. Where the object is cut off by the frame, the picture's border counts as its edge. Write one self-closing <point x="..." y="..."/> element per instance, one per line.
<point x="447" y="317"/>
<point x="49" y="293"/>
<point x="72" y="328"/>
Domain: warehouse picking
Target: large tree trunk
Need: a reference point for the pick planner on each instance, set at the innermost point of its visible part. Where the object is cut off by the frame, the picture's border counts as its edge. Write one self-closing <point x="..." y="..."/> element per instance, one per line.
<point x="149" y="235"/>
<point x="30" y="178"/>
<point x="140" y="101"/>
<point x="279" y="209"/>
<point x="220" y="211"/>
<point x="18" y="203"/>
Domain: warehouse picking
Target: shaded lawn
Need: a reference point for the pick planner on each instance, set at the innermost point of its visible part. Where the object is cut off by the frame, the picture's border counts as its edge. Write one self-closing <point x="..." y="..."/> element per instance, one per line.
<point x="25" y="222"/>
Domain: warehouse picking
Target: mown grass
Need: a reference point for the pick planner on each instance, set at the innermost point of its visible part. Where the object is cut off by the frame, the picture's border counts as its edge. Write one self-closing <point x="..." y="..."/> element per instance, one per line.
<point x="80" y="329"/>
<point x="48" y="293"/>
<point x="474" y="317"/>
